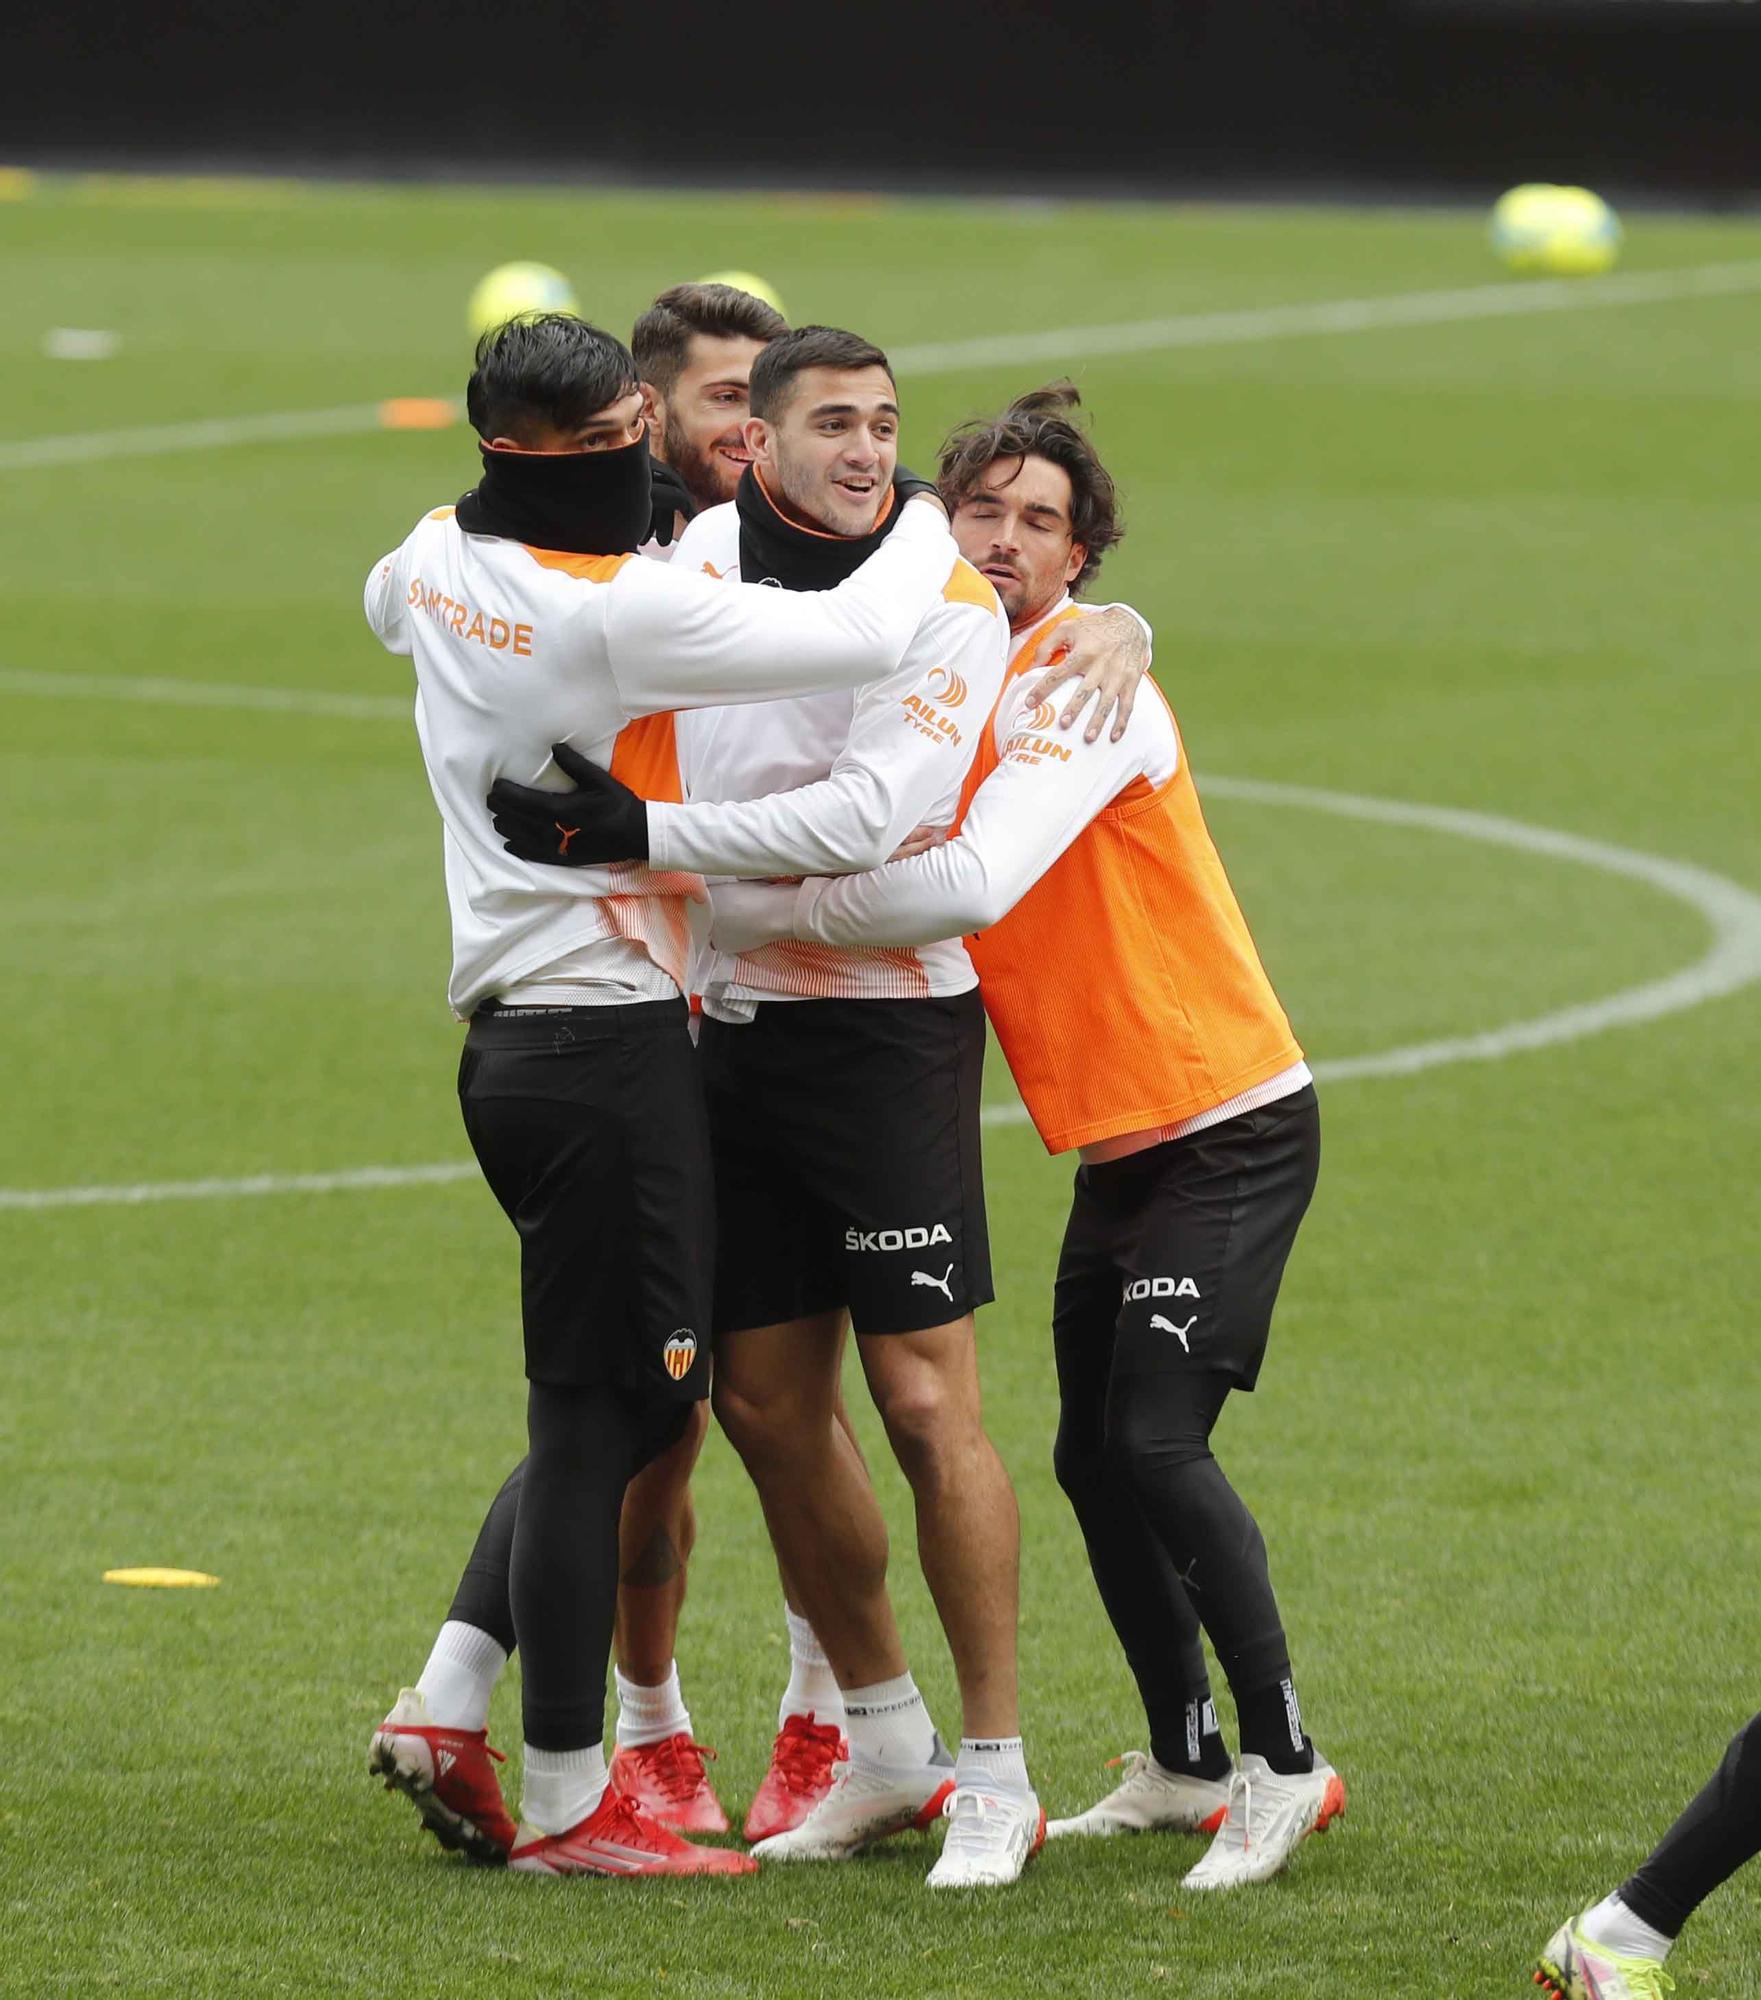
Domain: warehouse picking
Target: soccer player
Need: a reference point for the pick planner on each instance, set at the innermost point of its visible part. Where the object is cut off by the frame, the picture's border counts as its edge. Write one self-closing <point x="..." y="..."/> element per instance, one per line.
<point x="843" y="1090"/>
<point x="1098" y="915"/>
<point x="529" y="622"/>
<point x="693" y="349"/>
<point x="1616" y="1950"/>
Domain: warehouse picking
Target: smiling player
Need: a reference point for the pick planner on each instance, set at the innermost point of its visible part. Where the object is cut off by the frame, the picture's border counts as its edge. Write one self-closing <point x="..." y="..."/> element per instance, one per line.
<point x="1098" y="916"/>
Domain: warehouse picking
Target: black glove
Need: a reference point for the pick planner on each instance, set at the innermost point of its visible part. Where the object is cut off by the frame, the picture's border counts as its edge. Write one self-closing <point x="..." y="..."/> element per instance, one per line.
<point x="601" y="820"/>
<point x="907" y="484"/>
<point x="670" y="500"/>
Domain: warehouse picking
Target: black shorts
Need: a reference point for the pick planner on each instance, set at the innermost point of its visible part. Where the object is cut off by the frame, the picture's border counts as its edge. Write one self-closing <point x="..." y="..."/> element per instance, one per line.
<point x="1175" y="1254"/>
<point x="848" y="1170"/>
<point x="588" y="1124"/>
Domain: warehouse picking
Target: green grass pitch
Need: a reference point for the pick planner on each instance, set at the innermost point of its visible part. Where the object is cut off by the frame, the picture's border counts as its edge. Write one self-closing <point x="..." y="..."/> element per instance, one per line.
<point x="1504" y="1449"/>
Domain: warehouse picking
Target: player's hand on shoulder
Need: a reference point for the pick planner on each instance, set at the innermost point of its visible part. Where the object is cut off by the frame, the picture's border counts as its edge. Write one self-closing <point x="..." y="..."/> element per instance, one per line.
<point x="909" y="486"/>
<point x="600" y="820"/>
<point x="1107" y="654"/>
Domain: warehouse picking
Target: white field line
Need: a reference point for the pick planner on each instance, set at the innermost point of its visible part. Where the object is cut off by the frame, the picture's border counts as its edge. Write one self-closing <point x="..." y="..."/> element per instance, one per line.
<point x="1065" y="343"/>
<point x="152" y="440"/>
<point x="1731" y="962"/>
<point x="1332" y="316"/>
<point x="205" y="694"/>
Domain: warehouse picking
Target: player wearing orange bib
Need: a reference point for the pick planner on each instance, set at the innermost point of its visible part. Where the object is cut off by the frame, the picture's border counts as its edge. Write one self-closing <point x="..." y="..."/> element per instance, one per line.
<point x="1099" y="918"/>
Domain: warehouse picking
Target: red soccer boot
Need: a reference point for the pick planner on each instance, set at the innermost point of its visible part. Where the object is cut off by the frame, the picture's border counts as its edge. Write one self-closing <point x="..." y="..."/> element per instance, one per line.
<point x="800" y="1775"/>
<point x="447" y="1775"/>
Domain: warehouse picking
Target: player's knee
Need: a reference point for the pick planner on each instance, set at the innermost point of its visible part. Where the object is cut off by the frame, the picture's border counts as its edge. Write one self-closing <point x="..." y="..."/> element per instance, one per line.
<point x="926" y="1422"/>
<point x="763" y="1429"/>
<point x="1080" y="1467"/>
<point x="1144" y="1448"/>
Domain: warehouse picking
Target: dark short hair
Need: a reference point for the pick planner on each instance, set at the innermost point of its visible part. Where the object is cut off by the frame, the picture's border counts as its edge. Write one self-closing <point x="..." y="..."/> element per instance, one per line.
<point x="1038" y="425"/>
<point x="775" y="370"/>
<point x="545" y="370"/>
<point x="661" y="340"/>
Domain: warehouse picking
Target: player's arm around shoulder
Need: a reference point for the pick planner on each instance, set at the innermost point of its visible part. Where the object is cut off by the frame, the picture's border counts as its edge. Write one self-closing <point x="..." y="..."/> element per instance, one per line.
<point x="915" y="732"/>
<point x="1042" y="796"/>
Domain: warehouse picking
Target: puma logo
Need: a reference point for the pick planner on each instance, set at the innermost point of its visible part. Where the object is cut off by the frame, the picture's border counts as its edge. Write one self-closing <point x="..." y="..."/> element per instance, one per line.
<point x="568" y="833"/>
<point x="940" y="1284"/>
<point x="1179" y="1332"/>
<point x="709" y="569"/>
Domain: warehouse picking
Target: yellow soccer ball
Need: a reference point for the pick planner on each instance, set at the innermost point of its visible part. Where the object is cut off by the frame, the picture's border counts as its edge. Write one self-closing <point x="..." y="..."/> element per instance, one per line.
<point x="748" y="281"/>
<point x="1563" y="231"/>
<point x="512" y="291"/>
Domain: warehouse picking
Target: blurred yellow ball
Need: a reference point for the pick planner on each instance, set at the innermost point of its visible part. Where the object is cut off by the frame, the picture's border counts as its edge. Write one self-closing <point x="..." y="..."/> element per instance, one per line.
<point x="511" y="291"/>
<point x="1564" y="231"/>
<point x="748" y="281"/>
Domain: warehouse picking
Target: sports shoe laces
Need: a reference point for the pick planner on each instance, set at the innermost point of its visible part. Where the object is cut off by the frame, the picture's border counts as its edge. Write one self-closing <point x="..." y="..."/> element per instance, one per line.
<point x="803" y="1752"/>
<point x="627" y="1821"/>
<point x="976" y="1820"/>
<point x="677" y="1765"/>
<point x="1135" y="1764"/>
<point x="1645" y="1979"/>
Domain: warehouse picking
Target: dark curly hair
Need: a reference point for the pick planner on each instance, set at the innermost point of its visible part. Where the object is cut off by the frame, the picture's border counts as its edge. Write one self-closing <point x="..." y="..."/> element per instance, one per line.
<point x="1039" y="425"/>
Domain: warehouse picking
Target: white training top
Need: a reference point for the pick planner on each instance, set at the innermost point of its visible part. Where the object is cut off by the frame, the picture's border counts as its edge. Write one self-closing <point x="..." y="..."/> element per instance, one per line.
<point x="1042" y="794"/>
<point x="825" y="784"/>
<point x="1027" y="811"/>
<point x="518" y="648"/>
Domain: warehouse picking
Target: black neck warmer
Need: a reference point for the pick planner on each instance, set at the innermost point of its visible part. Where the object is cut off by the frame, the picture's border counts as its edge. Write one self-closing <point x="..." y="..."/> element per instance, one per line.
<point x="775" y="550"/>
<point x="590" y="503"/>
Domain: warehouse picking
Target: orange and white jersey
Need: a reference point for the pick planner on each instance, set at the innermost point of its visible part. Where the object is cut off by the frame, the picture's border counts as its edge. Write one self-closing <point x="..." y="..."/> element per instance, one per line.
<point x="518" y="648"/>
<point x="829" y="783"/>
<point x="1115" y="963"/>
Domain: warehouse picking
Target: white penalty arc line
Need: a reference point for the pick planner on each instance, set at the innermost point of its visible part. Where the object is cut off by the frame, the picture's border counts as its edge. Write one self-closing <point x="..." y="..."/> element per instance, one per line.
<point x="1231" y="328"/>
<point x="1731" y="962"/>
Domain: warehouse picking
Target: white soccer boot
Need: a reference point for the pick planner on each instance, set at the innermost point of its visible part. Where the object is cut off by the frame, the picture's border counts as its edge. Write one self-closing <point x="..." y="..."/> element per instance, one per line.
<point x="1269" y="1814"/>
<point x="866" y="1803"/>
<point x="992" y="1836"/>
<point x="1575" y="1967"/>
<point x="1150" y="1800"/>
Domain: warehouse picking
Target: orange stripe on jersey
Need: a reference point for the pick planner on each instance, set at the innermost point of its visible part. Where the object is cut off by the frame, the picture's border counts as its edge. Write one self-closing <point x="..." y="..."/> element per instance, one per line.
<point x="591" y="569"/>
<point x="812" y="971"/>
<point x="966" y="586"/>
<point x="659" y="925"/>
<point x="1124" y="986"/>
<point x="645" y="757"/>
<point x="443" y="513"/>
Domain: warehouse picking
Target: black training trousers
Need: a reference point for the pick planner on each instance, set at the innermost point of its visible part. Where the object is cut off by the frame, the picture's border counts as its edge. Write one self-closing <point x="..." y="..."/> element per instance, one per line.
<point x="1170" y="1267"/>
<point x="1717" y="1833"/>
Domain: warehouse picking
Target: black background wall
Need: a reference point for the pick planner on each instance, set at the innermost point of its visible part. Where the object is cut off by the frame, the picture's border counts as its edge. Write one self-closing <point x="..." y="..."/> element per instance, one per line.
<point x="1468" y="94"/>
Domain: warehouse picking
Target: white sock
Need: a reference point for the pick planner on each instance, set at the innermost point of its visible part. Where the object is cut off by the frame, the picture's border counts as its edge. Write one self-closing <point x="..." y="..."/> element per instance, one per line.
<point x="1613" y="1924"/>
<point x="461" y="1675"/>
<point x="813" y="1687"/>
<point x="561" y="1787"/>
<point x="889" y="1724"/>
<point x="994" y="1764"/>
<point x="651" y="1715"/>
